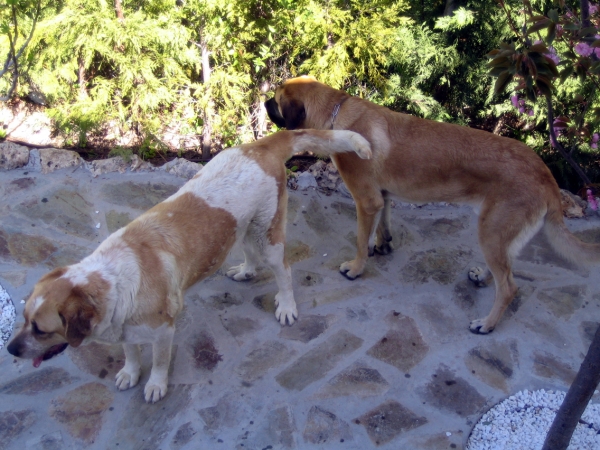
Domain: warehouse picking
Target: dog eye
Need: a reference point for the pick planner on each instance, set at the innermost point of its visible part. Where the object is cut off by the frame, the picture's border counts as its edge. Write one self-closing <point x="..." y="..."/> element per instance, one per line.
<point x="37" y="331"/>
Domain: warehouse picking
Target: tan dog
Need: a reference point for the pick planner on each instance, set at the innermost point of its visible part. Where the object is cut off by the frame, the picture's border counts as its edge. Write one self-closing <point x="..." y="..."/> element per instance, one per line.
<point x="131" y="288"/>
<point x="421" y="161"/>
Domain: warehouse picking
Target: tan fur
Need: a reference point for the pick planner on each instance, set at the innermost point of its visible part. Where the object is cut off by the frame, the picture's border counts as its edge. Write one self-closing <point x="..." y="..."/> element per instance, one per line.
<point x="421" y="161"/>
<point x="130" y="289"/>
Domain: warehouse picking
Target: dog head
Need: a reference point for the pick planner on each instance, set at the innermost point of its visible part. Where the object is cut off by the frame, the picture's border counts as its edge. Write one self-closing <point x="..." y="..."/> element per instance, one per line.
<point x="298" y="103"/>
<point x="58" y="313"/>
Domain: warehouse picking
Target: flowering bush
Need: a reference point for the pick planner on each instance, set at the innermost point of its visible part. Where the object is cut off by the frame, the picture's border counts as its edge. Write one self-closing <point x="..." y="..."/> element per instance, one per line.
<point x="562" y="68"/>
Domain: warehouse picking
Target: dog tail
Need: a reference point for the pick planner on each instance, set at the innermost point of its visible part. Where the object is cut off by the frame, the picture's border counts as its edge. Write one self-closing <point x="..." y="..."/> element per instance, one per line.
<point x="328" y="142"/>
<point x="566" y="243"/>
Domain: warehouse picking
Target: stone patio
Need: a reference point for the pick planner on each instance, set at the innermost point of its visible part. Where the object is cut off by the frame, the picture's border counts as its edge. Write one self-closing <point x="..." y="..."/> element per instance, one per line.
<point x="384" y="361"/>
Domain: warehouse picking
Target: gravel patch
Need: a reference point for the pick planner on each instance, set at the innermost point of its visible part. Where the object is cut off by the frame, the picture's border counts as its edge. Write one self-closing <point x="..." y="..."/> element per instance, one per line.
<point x="7" y="316"/>
<point x="526" y="418"/>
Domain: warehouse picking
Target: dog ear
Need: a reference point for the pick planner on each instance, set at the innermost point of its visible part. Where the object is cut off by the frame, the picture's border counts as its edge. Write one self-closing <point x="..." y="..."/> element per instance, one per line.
<point x="293" y="113"/>
<point x="77" y="317"/>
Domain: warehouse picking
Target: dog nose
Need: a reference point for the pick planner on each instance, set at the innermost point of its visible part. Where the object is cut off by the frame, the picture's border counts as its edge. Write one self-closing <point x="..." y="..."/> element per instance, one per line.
<point x="14" y="348"/>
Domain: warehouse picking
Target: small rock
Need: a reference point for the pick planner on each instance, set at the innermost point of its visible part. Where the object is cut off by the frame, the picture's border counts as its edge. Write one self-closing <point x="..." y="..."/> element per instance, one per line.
<point x="305" y="181"/>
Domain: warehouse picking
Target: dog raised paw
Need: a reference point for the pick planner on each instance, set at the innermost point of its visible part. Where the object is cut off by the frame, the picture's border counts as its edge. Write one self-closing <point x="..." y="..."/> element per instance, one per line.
<point x="127" y="378"/>
<point x="478" y="276"/>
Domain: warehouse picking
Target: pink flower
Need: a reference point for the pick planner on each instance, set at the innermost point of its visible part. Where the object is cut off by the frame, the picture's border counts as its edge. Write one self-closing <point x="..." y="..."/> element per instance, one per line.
<point x="583" y="49"/>
<point x="593" y="9"/>
<point x="594" y="145"/>
<point x="595" y="138"/>
<point x="551" y="53"/>
<point x="597" y="51"/>
<point x="515" y="101"/>
<point x="530" y="112"/>
<point x="591" y="200"/>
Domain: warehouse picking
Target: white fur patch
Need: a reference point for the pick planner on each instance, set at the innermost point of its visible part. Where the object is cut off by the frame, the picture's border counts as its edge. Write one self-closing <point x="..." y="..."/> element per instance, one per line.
<point x="37" y="302"/>
<point x="237" y="184"/>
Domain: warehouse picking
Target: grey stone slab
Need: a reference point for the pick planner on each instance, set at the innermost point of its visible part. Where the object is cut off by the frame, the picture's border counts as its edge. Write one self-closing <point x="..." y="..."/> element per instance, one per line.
<point x="324" y="427"/>
<point x="203" y="351"/>
<point x="317" y="218"/>
<point x="26" y="249"/>
<point x="447" y="391"/>
<point x="359" y="380"/>
<point x="547" y="365"/>
<point x="441" y="264"/>
<point x="239" y="326"/>
<point x="48" y="441"/>
<point x="140" y="196"/>
<point x="493" y="363"/>
<point x="296" y="251"/>
<point x="275" y="431"/>
<point x="101" y="360"/>
<point x="46" y="379"/>
<point x="13" y="156"/>
<point x="65" y="209"/>
<point x="307" y="328"/>
<point x="116" y="220"/>
<point x="185" y="433"/>
<point x="389" y="420"/>
<point x="227" y="413"/>
<point x="82" y="410"/>
<point x="402" y="346"/>
<point x="223" y="300"/>
<point x="307" y="278"/>
<point x="315" y="364"/>
<point x="259" y="361"/>
<point x="148" y="424"/>
<point x="440" y="228"/>
<point x="563" y="301"/>
<point x="13" y="424"/>
<point x="588" y="331"/>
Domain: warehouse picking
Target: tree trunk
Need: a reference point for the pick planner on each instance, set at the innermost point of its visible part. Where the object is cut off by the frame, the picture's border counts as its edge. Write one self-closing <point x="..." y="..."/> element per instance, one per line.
<point x="119" y="10"/>
<point x="451" y="6"/>
<point x="260" y="112"/>
<point x="81" y="78"/>
<point x="209" y="110"/>
<point x="576" y="400"/>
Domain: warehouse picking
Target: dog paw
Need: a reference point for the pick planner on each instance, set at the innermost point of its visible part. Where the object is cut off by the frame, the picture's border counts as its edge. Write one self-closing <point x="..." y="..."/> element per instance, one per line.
<point x="478" y="276"/>
<point x="384" y="249"/>
<point x="154" y="391"/>
<point x="348" y="272"/>
<point x="239" y="273"/>
<point x="127" y="378"/>
<point x="286" y="310"/>
<point x="478" y="326"/>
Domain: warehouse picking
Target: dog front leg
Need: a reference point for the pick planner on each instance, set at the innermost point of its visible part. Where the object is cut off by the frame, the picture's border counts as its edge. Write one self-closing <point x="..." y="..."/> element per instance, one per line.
<point x="129" y="375"/>
<point x="368" y="212"/>
<point x="156" y="387"/>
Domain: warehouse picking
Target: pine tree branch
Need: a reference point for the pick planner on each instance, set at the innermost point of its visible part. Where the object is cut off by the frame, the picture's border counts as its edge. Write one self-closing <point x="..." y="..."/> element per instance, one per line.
<point x="557" y="145"/>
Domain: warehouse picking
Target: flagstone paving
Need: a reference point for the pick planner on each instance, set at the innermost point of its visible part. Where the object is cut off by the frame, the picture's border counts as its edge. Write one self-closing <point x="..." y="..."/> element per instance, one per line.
<point x="385" y="361"/>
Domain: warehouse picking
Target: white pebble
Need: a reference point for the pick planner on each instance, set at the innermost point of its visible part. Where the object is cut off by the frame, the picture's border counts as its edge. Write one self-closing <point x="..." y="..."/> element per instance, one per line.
<point x="526" y="417"/>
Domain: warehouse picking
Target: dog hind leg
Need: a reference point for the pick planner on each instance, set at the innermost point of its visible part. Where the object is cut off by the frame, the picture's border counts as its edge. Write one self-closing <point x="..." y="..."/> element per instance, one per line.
<point x="383" y="240"/>
<point x="499" y="248"/>
<point x="246" y="270"/>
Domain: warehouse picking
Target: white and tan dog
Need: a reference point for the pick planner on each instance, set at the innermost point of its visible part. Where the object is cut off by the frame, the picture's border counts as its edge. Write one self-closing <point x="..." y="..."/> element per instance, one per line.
<point x="131" y="288"/>
<point x="420" y="161"/>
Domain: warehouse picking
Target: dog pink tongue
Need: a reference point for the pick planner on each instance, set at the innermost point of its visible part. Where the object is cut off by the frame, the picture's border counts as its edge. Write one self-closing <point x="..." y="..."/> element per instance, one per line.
<point x="37" y="361"/>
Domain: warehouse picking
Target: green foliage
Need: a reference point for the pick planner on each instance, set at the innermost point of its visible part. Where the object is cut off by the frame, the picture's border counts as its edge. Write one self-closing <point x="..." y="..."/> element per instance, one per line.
<point x="144" y="75"/>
